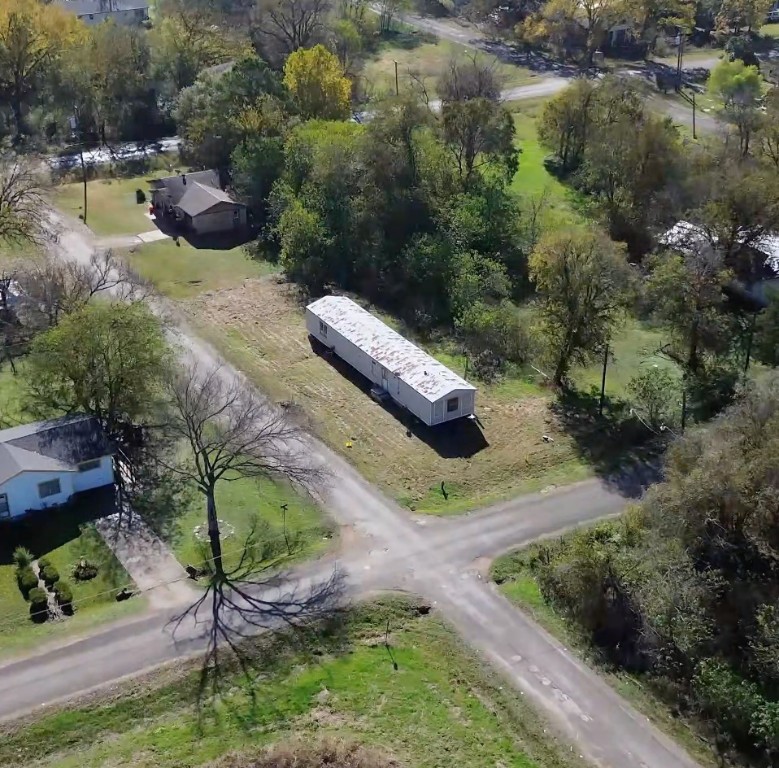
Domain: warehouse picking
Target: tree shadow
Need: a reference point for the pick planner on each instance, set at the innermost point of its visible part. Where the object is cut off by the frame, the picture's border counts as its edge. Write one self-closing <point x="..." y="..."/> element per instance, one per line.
<point x="458" y="439"/>
<point x="48" y="529"/>
<point x="624" y="454"/>
<point x="305" y="612"/>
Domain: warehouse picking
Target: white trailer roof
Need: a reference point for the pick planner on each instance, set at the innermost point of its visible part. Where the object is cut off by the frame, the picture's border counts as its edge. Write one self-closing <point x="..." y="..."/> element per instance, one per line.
<point x="397" y="354"/>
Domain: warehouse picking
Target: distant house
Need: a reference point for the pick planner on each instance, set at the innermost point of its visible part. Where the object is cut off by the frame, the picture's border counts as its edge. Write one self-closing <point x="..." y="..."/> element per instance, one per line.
<point x="43" y="464"/>
<point x="126" y="12"/>
<point x="410" y="376"/>
<point x="762" y="252"/>
<point x="198" y="203"/>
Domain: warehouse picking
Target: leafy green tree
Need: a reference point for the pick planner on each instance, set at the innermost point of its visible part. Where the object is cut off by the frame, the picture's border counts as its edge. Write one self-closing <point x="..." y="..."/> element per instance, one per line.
<point x="220" y="111"/>
<point x="186" y="39"/>
<point x="766" y="341"/>
<point x="108" y="78"/>
<point x="632" y="164"/>
<point x="739" y="87"/>
<point x="686" y="293"/>
<point x="566" y="121"/>
<point x="305" y="247"/>
<point x="768" y="135"/>
<point x="734" y="15"/>
<point x="656" y="394"/>
<point x="33" y="39"/>
<point x="583" y="283"/>
<point x="315" y="79"/>
<point x="105" y="359"/>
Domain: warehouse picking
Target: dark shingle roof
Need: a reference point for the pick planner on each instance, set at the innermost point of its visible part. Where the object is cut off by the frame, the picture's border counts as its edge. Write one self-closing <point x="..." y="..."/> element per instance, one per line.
<point x="178" y="186"/>
<point x="56" y="445"/>
<point x="199" y="198"/>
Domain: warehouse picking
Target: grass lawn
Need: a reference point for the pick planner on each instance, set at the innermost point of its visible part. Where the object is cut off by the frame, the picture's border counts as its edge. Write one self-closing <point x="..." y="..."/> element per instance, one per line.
<point x="111" y="206"/>
<point x="420" y="56"/>
<point x="183" y="271"/>
<point x="770" y="30"/>
<point x="633" y="348"/>
<point x="440" y="708"/>
<point x="532" y="178"/>
<point x="64" y="536"/>
<point x="245" y="503"/>
<point x="518" y="584"/>
<point x="11" y="395"/>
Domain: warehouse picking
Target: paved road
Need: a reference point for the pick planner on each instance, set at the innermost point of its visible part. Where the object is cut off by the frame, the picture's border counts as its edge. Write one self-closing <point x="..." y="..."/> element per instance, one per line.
<point x="553" y="77"/>
<point x="438" y="559"/>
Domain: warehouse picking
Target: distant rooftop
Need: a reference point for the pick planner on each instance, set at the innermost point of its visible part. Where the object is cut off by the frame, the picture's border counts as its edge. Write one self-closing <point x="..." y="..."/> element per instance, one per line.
<point x="82" y="7"/>
<point x="387" y="347"/>
<point x="685" y="236"/>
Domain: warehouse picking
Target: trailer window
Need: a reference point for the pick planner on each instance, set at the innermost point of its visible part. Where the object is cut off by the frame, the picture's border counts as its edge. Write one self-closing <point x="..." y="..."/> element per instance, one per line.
<point x="452" y="404"/>
<point x="322" y="328"/>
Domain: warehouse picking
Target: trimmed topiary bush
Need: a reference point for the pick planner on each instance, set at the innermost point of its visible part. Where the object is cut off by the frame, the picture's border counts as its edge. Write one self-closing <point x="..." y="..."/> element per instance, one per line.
<point x="64" y="595"/>
<point x="140" y="196"/>
<point x="27" y="580"/>
<point x="23" y="557"/>
<point x="50" y="575"/>
<point x="43" y="562"/>
<point x="39" y="604"/>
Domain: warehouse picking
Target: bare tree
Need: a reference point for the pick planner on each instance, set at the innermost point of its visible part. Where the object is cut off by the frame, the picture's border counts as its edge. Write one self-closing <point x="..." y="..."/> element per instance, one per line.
<point x="283" y="26"/>
<point x="55" y="287"/>
<point x="21" y="201"/>
<point x="231" y="433"/>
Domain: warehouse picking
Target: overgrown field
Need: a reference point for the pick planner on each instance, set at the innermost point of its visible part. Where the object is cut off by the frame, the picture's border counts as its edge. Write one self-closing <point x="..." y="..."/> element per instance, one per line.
<point x="440" y="708"/>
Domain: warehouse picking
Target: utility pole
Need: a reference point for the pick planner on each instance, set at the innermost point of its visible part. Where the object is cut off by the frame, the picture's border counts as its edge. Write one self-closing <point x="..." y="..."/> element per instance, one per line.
<point x="83" y="177"/>
<point x="749" y="342"/>
<point x="679" y="58"/>
<point x="397" y="88"/>
<point x="603" y="379"/>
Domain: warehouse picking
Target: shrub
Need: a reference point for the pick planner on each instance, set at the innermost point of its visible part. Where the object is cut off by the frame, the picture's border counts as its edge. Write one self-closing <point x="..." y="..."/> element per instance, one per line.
<point x="64" y="595"/>
<point x="39" y="604"/>
<point x="140" y="196"/>
<point x="50" y="575"/>
<point x="27" y="580"/>
<point x="23" y="557"/>
<point x="43" y="562"/>
<point x="84" y="570"/>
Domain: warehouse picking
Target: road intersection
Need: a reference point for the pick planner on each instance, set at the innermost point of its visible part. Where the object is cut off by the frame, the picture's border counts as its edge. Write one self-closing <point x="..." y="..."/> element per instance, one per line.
<point x="441" y="560"/>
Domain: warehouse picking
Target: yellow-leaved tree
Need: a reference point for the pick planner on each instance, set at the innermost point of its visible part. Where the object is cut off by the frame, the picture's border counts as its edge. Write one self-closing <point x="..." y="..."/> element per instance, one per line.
<point x="33" y="38"/>
<point x="315" y="79"/>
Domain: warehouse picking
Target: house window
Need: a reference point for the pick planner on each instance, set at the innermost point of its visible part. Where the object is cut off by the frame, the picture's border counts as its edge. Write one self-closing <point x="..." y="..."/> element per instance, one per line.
<point x="49" y="488"/>
<point x="4" y="510"/>
<point x="88" y="466"/>
<point x="322" y="328"/>
<point x="452" y="404"/>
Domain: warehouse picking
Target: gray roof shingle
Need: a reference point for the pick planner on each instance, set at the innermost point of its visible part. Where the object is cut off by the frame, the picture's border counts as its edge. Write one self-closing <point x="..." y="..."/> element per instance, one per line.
<point x="56" y="445"/>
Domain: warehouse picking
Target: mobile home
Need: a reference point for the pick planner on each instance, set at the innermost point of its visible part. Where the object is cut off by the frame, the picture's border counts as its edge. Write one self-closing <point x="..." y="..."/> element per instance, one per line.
<point x="411" y="377"/>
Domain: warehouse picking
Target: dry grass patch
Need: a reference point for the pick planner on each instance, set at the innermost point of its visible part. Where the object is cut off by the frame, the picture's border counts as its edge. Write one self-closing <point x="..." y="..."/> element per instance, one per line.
<point x="328" y="754"/>
<point x="260" y="327"/>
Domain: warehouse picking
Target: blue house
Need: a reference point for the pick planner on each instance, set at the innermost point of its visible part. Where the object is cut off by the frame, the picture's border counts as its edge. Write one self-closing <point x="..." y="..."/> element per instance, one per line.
<point x="44" y="464"/>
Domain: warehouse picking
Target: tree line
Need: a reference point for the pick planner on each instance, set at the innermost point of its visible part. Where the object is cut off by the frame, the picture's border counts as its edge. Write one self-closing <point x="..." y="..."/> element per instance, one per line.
<point x="683" y="589"/>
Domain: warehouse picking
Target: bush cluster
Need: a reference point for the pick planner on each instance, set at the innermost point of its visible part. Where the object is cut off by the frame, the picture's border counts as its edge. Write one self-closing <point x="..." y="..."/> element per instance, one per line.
<point x="27" y="580"/>
<point x="39" y="604"/>
<point x="64" y="595"/>
<point x="50" y="575"/>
